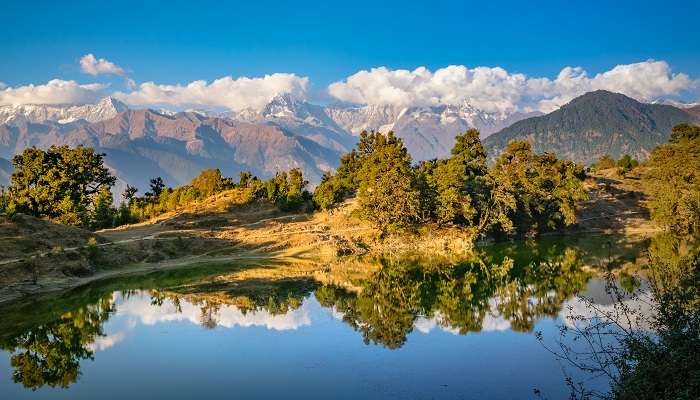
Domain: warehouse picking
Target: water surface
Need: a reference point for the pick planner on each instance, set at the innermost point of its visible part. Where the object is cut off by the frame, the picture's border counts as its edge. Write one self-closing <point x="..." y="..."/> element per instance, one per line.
<point x="416" y="328"/>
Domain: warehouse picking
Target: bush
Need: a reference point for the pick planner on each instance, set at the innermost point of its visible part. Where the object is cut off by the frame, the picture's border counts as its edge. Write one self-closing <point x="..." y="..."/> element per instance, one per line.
<point x="605" y="162"/>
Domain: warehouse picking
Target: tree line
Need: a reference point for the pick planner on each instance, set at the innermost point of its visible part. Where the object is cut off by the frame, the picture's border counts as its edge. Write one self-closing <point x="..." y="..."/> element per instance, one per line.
<point x="73" y="186"/>
<point x="523" y="193"/>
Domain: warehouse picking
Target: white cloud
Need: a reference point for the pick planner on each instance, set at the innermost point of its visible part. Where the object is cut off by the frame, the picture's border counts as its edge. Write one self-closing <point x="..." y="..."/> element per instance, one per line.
<point x="227" y="316"/>
<point x="55" y="91"/>
<point x="2" y="85"/>
<point x="496" y="90"/>
<point x="94" y="66"/>
<point x="227" y="92"/>
<point x="130" y="83"/>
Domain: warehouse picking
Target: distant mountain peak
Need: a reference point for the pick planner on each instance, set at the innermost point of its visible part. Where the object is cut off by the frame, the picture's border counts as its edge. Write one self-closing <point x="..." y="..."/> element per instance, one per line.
<point x="595" y="124"/>
<point x="286" y="105"/>
<point x="114" y="103"/>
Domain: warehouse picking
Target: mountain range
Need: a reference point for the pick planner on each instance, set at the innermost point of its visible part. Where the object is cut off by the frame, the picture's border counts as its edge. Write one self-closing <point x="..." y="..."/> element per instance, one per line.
<point x="289" y="132"/>
<point x="595" y="124"/>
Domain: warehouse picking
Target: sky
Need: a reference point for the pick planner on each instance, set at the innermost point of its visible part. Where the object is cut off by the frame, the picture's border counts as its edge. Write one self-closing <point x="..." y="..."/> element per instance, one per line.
<point x="317" y="49"/>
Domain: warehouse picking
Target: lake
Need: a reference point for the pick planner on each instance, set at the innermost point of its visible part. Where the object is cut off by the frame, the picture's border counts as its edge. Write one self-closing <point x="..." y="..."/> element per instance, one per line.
<point x="410" y="328"/>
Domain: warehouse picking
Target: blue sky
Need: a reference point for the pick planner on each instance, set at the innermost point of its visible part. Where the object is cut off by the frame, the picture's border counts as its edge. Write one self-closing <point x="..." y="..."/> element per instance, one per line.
<point x="178" y="42"/>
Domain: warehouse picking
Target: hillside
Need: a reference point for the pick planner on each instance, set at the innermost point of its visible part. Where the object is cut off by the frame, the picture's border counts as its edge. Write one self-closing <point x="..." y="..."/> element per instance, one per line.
<point x="595" y="124"/>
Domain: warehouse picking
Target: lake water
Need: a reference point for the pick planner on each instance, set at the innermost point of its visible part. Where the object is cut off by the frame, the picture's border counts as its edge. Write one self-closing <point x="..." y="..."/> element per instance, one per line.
<point x="410" y="329"/>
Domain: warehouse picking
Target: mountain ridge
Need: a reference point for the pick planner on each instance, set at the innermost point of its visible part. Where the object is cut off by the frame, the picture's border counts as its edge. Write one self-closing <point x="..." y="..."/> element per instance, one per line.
<point x="595" y="124"/>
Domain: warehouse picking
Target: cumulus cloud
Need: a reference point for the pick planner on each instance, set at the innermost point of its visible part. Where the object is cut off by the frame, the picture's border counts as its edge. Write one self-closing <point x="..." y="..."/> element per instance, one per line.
<point x="494" y="89"/>
<point x="229" y="93"/>
<point x="91" y="65"/>
<point x="55" y="91"/>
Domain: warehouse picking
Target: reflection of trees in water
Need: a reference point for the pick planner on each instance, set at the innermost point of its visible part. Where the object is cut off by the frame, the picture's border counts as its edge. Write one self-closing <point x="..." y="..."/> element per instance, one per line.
<point x="459" y="297"/>
<point x="50" y="354"/>
<point x="519" y="285"/>
<point x="277" y="297"/>
<point x="646" y="342"/>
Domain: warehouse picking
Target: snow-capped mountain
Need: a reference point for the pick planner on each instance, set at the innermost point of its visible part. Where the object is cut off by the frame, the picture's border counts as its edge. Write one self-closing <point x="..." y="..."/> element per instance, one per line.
<point x="106" y="108"/>
<point x="300" y="118"/>
<point x="371" y="117"/>
<point x="286" y="132"/>
<point x="428" y="132"/>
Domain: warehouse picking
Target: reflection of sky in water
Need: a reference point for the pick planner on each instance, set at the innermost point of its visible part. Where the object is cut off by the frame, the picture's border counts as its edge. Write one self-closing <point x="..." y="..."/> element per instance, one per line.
<point x="151" y="351"/>
<point x="227" y="316"/>
<point x="638" y="307"/>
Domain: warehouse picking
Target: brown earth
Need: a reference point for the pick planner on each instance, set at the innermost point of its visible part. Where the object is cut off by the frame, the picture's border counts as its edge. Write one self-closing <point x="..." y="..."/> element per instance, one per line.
<point x="616" y="204"/>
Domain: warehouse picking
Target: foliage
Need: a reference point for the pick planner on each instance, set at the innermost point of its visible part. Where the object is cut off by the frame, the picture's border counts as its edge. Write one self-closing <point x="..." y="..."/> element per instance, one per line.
<point x="463" y="295"/>
<point x="523" y="193"/>
<point x="646" y="342"/>
<point x="4" y="199"/>
<point x="60" y="183"/>
<point x="210" y="181"/>
<point x="50" y="354"/>
<point x="545" y="190"/>
<point x="626" y="164"/>
<point x="672" y="179"/>
<point x="104" y="210"/>
<point x="387" y="193"/>
<point x="347" y="178"/>
<point x="684" y="132"/>
<point x="459" y="181"/>
<point x="605" y="162"/>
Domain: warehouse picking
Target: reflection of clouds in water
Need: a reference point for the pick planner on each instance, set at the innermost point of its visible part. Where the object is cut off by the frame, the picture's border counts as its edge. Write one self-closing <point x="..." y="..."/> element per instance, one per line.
<point x="227" y="316"/>
<point x="640" y="307"/>
<point x="491" y="323"/>
<point x="105" y="342"/>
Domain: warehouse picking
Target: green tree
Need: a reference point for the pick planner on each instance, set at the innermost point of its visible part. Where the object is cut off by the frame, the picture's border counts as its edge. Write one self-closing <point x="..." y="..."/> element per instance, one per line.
<point x="347" y="178"/>
<point x="157" y="186"/>
<point x="104" y="213"/>
<point x="129" y="194"/>
<point x="327" y="192"/>
<point x="545" y="189"/>
<point x="626" y="164"/>
<point x="60" y="183"/>
<point x="605" y="162"/>
<point x="208" y="182"/>
<point x="296" y="192"/>
<point x="672" y="179"/>
<point x="684" y="132"/>
<point x="244" y="178"/>
<point x="50" y="354"/>
<point x="459" y="181"/>
<point x="388" y="193"/>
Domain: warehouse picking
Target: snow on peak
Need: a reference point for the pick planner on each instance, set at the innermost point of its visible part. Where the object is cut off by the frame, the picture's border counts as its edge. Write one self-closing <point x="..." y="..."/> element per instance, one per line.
<point x="106" y="108"/>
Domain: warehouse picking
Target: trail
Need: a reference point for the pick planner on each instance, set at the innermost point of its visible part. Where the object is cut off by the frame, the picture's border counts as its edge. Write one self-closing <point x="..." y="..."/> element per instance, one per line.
<point x="155" y="236"/>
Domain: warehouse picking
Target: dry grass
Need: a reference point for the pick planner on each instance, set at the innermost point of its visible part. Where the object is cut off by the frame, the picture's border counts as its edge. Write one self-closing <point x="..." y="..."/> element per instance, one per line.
<point x="616" y="205"/>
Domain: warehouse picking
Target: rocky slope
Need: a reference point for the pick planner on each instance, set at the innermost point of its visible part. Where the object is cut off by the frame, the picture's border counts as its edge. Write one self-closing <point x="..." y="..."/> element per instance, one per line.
<point x="142" y="144"/>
